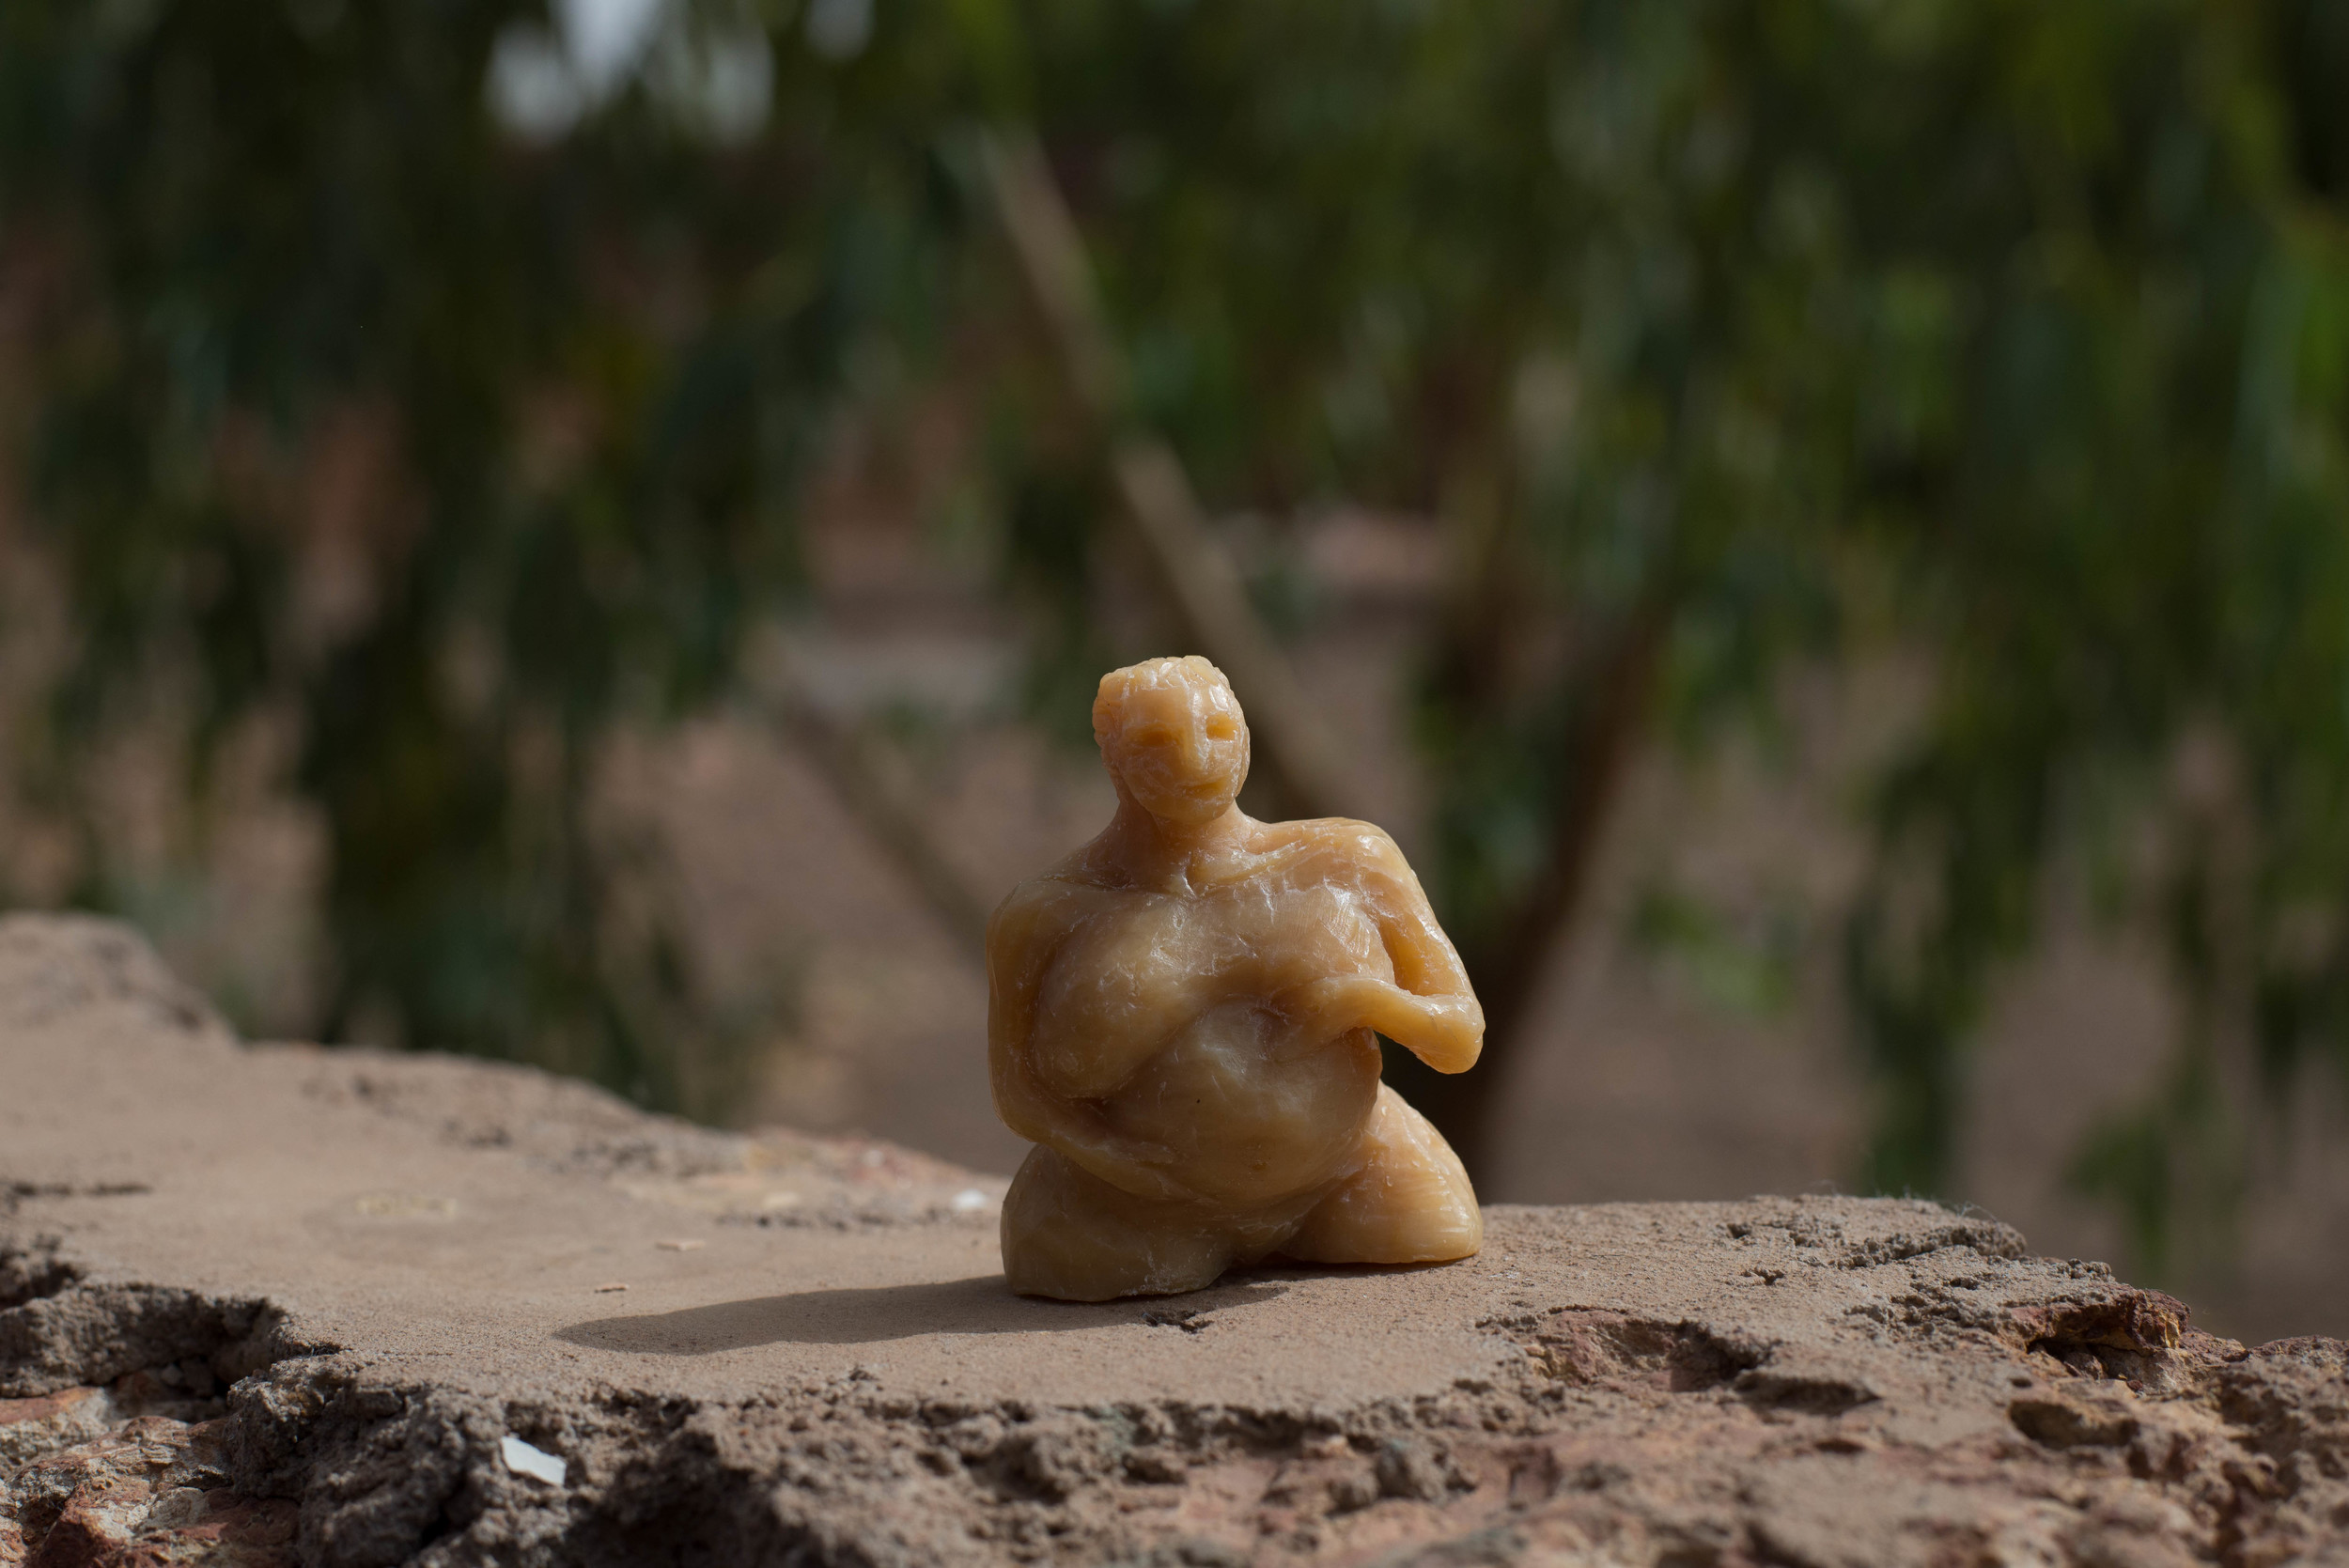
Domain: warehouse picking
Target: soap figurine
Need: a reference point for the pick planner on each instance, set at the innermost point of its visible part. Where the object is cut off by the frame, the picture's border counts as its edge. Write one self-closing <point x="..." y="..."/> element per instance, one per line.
<point x="1183" y="1017"/>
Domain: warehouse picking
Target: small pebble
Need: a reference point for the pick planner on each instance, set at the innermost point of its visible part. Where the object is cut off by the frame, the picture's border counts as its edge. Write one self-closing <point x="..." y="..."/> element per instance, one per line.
<point x="615" y="1284"/>
<point x="528" y="1459"/>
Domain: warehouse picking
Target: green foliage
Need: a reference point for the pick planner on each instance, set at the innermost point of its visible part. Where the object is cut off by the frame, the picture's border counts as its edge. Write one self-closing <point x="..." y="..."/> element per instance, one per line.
<point x="2013" y="336"/>
<point x="2007" y="332"/>
<point x="1747" y="968"/>
<point x="597" y="368"/>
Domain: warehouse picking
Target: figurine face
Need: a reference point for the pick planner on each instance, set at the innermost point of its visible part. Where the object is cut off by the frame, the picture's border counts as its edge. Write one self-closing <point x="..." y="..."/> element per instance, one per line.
<point x="1181" y="750"/>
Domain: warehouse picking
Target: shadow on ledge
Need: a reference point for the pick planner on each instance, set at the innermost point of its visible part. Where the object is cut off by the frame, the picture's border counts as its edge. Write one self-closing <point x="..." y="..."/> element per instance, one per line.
<point x="980" y="1305"/>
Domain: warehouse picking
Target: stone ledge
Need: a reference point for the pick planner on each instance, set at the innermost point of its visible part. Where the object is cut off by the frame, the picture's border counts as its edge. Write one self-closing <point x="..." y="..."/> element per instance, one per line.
<point x="268" y="1305"/>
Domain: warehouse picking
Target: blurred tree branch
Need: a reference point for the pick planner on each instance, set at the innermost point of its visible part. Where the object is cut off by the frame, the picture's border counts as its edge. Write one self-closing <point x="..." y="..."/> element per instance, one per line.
<point x="1202" y="584"/>
<point x="1510" y="960"/>
<point x="843" y="753"/>
<point x="1205" y="588"/>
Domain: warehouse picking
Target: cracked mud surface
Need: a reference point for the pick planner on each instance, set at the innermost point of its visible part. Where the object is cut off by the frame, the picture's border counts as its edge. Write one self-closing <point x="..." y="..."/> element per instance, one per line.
<point x="265" y="1306"/>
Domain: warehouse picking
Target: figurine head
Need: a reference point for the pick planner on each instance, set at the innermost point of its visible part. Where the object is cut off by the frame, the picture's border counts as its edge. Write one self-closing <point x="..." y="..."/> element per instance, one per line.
<point x="1173" y="736"/>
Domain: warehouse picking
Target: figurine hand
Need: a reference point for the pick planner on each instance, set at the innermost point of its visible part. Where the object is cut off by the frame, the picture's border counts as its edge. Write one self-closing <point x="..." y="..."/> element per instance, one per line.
<point x="1446" y="1032"/>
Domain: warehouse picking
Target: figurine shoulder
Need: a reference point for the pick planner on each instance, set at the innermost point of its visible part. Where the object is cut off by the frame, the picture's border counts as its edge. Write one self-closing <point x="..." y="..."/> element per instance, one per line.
<point x="1043" y="907"/>
<point x="1362" y="845"/>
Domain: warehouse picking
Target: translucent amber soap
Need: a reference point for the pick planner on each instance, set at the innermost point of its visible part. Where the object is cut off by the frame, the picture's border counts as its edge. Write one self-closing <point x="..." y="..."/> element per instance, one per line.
<point x="1183" y="1017"/>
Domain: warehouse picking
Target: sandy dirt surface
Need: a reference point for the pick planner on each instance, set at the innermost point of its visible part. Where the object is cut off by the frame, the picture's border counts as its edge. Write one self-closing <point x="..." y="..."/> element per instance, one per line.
<point x="277" y="1305"/>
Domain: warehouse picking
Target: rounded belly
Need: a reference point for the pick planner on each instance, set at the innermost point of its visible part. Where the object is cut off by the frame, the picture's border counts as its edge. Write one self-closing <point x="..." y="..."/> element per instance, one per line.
<point x="1245" y="1129"/>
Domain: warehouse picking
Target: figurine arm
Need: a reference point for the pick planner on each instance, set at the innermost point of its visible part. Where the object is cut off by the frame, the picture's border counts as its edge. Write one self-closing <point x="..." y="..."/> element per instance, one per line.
<point x="1430" y="1010"/>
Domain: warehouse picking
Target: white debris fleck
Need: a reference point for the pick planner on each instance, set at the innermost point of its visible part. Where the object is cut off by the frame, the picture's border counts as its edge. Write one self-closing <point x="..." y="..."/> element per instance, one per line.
<point x="694" y="1246"/>
<point x="780" y="1199"/>
<point x="968" y="1200"/>
<point x="536" y="1463"/>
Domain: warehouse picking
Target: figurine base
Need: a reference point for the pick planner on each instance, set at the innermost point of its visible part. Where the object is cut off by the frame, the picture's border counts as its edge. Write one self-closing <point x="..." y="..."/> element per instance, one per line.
<point x="1070" y="1234"/>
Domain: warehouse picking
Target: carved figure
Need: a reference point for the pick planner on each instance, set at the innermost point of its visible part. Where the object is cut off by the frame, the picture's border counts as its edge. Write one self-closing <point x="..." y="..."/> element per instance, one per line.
<point x="1182" y="1016"/>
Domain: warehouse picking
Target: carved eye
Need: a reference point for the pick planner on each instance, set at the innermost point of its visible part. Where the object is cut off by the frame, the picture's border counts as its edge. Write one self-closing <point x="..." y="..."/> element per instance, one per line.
<point x="1223" y="726"/>
<point x="1154" y="736"/>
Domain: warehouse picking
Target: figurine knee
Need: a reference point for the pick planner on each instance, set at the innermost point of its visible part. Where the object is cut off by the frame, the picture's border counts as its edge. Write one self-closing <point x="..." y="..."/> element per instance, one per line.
<point x="1410" y="1202"/>
<point x="1070" y="1234"/>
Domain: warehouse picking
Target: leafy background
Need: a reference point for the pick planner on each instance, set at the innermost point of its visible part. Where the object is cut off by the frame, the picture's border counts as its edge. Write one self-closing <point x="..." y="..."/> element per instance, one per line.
<point x="424" y="422"/>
